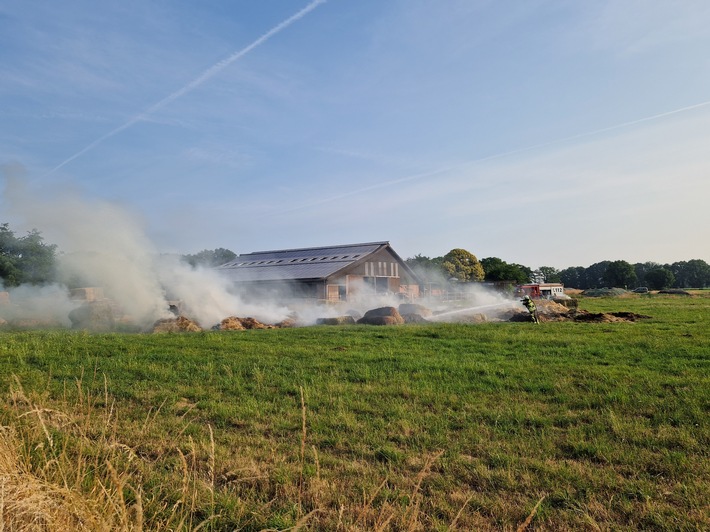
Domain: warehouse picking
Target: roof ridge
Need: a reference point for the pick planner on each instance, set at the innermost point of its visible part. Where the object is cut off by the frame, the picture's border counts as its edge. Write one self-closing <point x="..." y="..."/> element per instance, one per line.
<point x="384" y="242"/>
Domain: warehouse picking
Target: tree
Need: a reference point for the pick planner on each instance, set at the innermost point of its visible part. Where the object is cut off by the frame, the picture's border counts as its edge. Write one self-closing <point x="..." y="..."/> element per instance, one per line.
<point x="426" y="268"/>
<point x="691" y="274"/>
<point x="463" y="265"/>
<point x="27" y="259"/>
<point x="642" y="269"/>
<point x="574" y="277"/>
<point x="594" y="275"/>
<point x="619" y="274"/>
<point x="496" y="269"/>
<point x="659" y="278"/>
<point x="209" y="258"/>
<point x="552" y="275"/>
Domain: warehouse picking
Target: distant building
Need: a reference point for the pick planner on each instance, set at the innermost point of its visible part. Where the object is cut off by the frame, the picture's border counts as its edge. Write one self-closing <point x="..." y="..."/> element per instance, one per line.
<point x="333" y="273"/>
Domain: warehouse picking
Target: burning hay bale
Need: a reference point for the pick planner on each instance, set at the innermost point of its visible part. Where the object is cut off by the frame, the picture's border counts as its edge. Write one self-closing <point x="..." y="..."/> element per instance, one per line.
<point x="233" y="323"/>
<point x="92" y="293"/>
<point x="94" y="316"/>
<point x="179" y="324"/>
<point x="230" y="324"/>
<point x="251" y="323"/>
<point x="338" y="320"/>
<point x="287" y="323"/>
<point x="382" y="316"/>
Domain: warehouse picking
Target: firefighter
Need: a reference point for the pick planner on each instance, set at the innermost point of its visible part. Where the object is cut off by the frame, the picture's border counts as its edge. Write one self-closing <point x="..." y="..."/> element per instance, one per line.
<point x="532" y="309"/>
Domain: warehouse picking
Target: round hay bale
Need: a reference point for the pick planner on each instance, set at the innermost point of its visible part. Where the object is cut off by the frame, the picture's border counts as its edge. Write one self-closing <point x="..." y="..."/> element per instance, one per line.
<point x="381" y="320"/>
<point x="414" y="318"/>
<point x="338" y="320"/>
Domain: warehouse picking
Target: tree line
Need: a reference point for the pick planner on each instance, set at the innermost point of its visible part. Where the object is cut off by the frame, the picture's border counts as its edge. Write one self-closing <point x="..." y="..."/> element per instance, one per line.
<point x="463" y="266"/>
<point x="28" y="259"/>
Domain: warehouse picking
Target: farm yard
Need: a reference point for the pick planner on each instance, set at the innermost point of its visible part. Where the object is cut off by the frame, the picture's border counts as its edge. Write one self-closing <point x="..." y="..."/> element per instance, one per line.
<point x="569" y="425"/>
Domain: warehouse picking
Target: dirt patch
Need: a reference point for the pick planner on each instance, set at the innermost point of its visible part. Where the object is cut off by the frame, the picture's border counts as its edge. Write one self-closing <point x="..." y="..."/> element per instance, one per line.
<point x="675" y="292"/>
<point x="603" y="317"/>
<point x="549" y="311"/>
<point x="604" y="292"/>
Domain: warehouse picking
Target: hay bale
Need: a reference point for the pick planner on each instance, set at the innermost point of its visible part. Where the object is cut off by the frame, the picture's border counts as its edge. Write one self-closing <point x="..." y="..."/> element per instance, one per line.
<point x="381" y="320"/>
<point x="338" y="320"/>
<point x="4" y="298"/>
<point x="414" y="308"/>
<point x="179" y="324"/>
<point x="251" y="323"/>
<point x="94" y="316"/>
<point x="382" y="316"/>
<point x="92" y="293"/>
<point x="287" y="323"/>
<point x="414" y="318"/>
<point x="567" y="302"/>
<point x="551" y="308"/>
<point x="231" y="323"/>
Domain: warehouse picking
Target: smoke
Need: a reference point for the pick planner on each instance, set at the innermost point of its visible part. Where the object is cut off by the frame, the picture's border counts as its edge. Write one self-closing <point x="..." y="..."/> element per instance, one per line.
<point x="103" y="244"/>
<point x="33" y="306"/>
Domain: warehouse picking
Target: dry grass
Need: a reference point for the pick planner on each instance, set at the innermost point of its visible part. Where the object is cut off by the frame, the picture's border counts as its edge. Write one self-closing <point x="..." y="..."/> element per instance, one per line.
<point x="65" y="470"/>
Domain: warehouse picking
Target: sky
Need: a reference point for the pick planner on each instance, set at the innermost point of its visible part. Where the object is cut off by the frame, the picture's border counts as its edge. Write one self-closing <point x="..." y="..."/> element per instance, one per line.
<point x="545" y="133"/>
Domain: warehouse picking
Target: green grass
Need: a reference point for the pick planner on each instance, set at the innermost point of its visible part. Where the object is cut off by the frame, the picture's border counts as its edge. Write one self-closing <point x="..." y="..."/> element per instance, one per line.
<point x="412" y="427"/>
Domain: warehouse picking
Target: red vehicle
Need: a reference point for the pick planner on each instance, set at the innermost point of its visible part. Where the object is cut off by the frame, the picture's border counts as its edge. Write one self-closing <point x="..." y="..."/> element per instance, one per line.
<point x="532" y="290"/>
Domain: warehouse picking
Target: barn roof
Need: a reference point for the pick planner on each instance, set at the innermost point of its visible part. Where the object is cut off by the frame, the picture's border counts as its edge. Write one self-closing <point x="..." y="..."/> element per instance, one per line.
<point x="302" y="264"/>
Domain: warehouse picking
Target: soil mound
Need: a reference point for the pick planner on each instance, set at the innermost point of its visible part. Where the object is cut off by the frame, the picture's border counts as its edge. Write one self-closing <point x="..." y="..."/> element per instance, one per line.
<point x="675" y="291"/>
<point x="604" y="292"/>
<point x="611" y="317"/>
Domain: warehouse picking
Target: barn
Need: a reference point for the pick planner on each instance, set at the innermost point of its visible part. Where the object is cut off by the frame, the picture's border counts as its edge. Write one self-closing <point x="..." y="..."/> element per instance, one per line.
<point x="332" y="273"/>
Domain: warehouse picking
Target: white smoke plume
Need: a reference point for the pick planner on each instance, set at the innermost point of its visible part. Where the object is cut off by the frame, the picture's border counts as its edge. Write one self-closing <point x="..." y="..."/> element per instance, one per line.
<point x="103" y="244"/>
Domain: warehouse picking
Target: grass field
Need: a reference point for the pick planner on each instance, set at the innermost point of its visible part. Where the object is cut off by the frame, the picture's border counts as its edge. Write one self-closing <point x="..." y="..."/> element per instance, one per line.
<point x="505" y="426"/>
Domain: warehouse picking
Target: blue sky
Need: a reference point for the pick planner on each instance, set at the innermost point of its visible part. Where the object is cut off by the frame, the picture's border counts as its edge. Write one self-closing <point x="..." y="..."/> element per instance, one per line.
<point x="551" y="133"/>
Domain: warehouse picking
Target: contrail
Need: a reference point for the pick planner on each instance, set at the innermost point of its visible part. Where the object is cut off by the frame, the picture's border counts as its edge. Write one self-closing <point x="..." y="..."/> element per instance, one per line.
<point x="199" y="80"/>
<point x="499" y="155"/>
